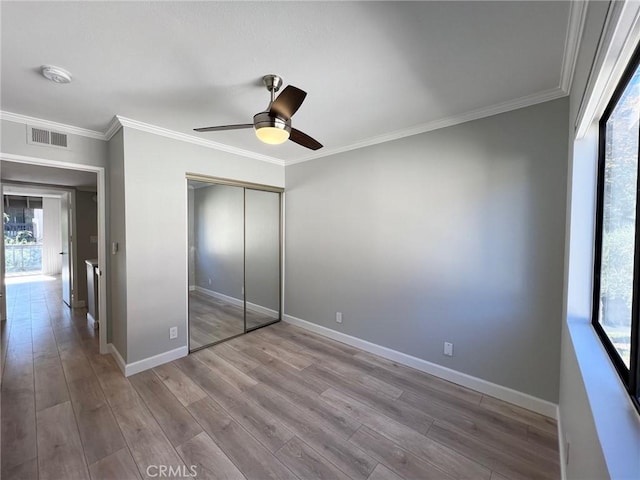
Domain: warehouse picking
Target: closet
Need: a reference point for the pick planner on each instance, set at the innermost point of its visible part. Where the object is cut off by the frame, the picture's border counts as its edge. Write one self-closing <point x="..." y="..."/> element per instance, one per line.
<point x="235" y="250"/>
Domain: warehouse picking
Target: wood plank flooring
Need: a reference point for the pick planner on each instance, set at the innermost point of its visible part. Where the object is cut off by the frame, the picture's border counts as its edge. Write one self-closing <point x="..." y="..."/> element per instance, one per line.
<point x="212" y="320"/>
<point x="277" y="403"/>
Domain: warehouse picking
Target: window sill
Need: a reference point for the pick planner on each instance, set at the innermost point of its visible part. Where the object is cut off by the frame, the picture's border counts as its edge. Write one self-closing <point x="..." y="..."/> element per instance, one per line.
<point x="616" y="419"/>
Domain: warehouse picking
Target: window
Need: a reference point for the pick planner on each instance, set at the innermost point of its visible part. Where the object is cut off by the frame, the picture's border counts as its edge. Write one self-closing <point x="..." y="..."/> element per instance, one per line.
<point x="616" y="299"/>
<point x="23" y="230"/>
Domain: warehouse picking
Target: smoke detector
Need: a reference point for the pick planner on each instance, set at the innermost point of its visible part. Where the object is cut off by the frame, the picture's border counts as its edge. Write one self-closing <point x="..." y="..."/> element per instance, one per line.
<point x="55" y="74"/>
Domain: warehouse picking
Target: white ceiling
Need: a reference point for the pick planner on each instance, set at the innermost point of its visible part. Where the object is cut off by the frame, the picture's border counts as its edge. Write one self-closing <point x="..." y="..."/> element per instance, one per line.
<point x="22" y="172"/>
<point x="370" y="68"/>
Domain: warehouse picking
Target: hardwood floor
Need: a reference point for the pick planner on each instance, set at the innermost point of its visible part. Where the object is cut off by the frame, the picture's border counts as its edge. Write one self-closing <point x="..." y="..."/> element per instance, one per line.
<point x="276" y="403"/>
<point x="212" y="320"/>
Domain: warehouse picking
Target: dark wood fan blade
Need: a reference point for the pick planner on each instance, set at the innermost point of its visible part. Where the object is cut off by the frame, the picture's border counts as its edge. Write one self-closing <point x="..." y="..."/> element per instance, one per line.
<point x="303" y="139"/>
<point x="224" y="127"/>
<point x="288" y="102"/>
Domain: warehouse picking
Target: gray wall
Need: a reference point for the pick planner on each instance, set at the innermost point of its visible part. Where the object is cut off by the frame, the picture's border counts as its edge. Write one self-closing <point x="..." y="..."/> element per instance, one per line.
<point x="453" y="235"/>
<point x="157" y="229"/>
<point x="586" y="459"/>
<point x="84" y="150"/>
<point x="220" y="218"/>
<point x="219" y="239"/>
<point x="117" y="263"/>
<point x="86" y="227"/>
<point x="263" y="249"/>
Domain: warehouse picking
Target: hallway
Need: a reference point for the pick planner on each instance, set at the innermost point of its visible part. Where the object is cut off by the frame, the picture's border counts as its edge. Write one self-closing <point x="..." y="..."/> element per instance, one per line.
<point x="47" y="350"/>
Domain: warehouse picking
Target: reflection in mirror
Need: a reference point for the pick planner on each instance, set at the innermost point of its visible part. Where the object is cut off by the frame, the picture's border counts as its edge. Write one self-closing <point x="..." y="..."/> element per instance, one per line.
<point x="216" y="262"/>
<point x="262" y="264"/>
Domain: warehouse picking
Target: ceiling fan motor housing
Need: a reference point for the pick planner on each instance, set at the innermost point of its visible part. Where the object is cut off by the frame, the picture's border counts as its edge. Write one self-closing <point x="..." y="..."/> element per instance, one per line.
<point x="265" y="119"/>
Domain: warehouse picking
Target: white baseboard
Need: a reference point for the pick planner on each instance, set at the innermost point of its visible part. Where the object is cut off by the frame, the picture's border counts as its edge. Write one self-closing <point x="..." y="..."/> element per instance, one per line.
<point x="220" y="296"/>
<point x="238" y="302"/>
<point x="92" y="321"/>
<point x="520" y="399"/>
<point x="129" y="369"/>
<point x="79" y="303"/>
<point x="111" y="348"/>
<point x="561" y="447"/>
<point x="253" y="307"/>
<point x="192" y="288"/>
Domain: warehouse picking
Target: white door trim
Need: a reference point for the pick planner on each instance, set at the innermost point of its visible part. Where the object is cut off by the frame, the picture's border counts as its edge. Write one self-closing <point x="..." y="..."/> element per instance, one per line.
<point x="102" y="243"/>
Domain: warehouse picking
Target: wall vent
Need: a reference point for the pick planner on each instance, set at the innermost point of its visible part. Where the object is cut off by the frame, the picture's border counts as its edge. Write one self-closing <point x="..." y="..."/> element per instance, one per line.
<point x="40" y="136"/>
<point x="59" y="139"/>
<point x="48" y="138"/>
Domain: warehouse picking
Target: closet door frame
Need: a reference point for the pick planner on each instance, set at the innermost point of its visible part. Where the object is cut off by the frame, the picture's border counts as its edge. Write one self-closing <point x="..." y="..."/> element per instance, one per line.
<point x="252" y="186"/>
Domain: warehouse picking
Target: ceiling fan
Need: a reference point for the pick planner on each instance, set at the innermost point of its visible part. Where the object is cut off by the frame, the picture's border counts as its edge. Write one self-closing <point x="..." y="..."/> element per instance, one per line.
<point x="273" y="126"/>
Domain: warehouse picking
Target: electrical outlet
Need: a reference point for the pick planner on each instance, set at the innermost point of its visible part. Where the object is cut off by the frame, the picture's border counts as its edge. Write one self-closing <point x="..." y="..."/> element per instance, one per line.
<point x="173" y="333"/>
<point x="448" y="349"/>
<point x="209" y="281"/>
<point x="338" y="317"/>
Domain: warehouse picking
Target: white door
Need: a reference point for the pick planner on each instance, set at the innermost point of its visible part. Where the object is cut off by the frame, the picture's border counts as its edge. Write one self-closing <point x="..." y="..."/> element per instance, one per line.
<point x="65" y="229"/>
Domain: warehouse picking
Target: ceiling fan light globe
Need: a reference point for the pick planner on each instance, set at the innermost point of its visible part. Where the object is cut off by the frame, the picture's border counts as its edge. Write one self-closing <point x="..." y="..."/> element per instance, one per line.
<point x="271" y="129"/>
<point x="272" y="135"/>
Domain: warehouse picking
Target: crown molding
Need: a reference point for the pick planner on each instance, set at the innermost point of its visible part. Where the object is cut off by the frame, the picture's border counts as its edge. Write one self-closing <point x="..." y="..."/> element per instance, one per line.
<point x="577" y="18"/>
<point x="112" y="129"/>
<point x="618" y="40"/>
<point x="164" y="132"/>
<point x="575" y="27"/>
<point x="118" y="122"/>
<point x="55" y="126"/>
<point x="496" y="109"/>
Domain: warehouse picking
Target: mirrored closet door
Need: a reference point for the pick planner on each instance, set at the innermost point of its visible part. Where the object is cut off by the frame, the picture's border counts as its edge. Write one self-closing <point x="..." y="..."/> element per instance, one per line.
<point x="234" y="238"/>
<point x="262" y="257"/>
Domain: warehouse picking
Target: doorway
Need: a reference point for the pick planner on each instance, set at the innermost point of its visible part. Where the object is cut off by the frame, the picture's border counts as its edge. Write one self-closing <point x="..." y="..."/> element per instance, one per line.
<point x="39" y="238"/>
<point x="235" y="251"/>
<point x="69" y="183"/>
<point x="23" y="234"/>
